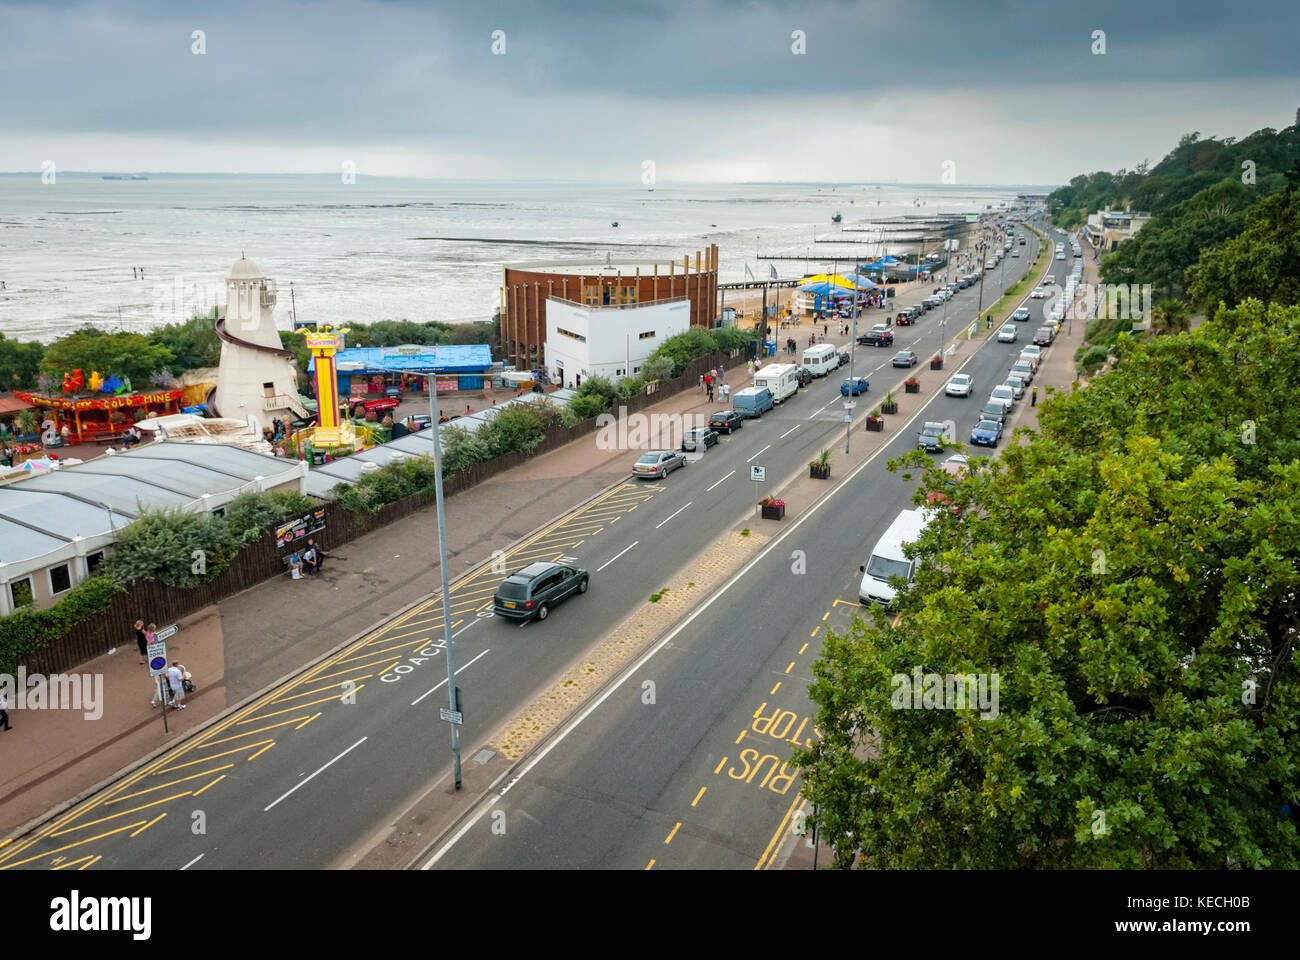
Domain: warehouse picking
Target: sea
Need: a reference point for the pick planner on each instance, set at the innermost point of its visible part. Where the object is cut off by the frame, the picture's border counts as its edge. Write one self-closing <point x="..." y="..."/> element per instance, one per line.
<point x="135" y="254"/>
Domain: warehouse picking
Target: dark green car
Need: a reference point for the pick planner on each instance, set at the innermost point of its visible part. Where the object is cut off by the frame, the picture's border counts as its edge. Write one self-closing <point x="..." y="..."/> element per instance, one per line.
<point x="532" y="591"/>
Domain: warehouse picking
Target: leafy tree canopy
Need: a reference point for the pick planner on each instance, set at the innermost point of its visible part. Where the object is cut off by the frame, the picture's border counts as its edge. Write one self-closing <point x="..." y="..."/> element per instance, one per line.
<point x="1130" y="575"/>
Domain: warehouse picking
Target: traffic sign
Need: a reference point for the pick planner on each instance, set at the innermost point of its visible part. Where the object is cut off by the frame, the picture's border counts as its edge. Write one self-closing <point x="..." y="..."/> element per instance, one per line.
<point x="848" y="418"/>
<point x="451" y="716"/>
<point x="757" y="473"/>
<point x="157" y="654"/>
<point x="166" y="633"/>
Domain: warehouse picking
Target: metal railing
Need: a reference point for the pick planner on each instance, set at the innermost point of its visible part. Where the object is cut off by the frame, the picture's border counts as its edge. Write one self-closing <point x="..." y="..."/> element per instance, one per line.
<point x="618" y="306"/>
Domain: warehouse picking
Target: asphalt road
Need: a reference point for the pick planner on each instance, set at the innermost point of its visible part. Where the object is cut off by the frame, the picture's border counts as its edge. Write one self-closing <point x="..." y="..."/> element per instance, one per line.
<point x="697" y="779"/>
<point x="295" y="780"/>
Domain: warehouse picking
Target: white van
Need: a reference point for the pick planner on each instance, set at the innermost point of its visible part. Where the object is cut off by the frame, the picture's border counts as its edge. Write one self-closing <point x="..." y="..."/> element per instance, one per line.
<point x="781" y="379"/>
<point x="821" y="359"/>
<point x="887" y="559"/>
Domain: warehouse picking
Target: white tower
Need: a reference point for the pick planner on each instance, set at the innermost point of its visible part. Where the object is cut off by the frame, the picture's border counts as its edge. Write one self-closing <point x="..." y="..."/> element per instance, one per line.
<point x="257" y="377"/>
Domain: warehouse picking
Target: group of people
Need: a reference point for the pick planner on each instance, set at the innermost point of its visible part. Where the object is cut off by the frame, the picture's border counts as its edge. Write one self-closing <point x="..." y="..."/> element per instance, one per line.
<point x="711" y="381"/>
<point x="174" y="682"/>
<point x="309" y="560"/>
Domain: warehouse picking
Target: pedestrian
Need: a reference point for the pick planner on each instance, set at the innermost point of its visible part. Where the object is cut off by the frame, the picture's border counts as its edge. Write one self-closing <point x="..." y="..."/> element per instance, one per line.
<point x="176" y="681"/>
<point x="701" y="381"/>
<point x="1033" y="397"/>
<point x="309" y="559"/>
<point x="4" y="709"/>
<point x="826" y="328"/>
<point x="749" y="368"/>
<point x="295" y="566"/>
<point x="710" y="388"/>
<point x="140" y="640"/>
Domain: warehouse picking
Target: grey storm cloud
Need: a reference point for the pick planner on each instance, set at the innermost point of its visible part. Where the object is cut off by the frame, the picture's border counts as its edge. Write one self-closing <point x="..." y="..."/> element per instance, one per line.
<point x="409" y="72"/>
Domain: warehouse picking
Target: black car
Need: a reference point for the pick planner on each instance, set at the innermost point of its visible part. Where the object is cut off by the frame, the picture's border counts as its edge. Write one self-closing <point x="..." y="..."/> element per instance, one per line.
<point x="697" y="437"/>
<point x="844" y="357"/>
<point x="805" y="376"/>
<point x="877" y="338"/>
<point x="726" y="421"/>
<point x="532" y="591"/>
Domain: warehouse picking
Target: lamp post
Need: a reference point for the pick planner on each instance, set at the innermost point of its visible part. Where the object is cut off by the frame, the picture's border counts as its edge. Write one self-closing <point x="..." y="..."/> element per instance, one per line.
<point x="452" y="697"/>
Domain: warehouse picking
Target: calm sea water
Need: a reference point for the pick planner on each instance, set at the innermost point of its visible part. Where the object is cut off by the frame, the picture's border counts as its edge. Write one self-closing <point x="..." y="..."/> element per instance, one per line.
<point x="389" y="249"/>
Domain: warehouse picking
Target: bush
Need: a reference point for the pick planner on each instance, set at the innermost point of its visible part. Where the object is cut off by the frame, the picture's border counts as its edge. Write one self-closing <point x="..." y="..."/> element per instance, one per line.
<point x="389" y="484"/>
<point x="586" y="407"/>
<point x="1092" y="357"/>
<point x="27" y="631"/>
<point x="251" y="513"/>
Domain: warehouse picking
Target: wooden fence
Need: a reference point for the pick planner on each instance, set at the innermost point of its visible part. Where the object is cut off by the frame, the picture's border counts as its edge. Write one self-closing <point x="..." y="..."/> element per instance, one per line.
<point x="262" y="560"/>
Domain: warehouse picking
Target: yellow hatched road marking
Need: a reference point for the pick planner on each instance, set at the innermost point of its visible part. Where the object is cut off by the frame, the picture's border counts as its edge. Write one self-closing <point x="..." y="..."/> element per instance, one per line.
<point x="50" y="853"/>
<point x="73" y="863"/>
<point x="669" y="838"/>
<point x="124" y="813"/>
<point x="91" y="863"/>
<point x="650" y="864"/>
<point x="247" y="733"/>
<point x="721" y="763"/>
<point x="212" y="784"/>
<point x="308" y="720"/>
<point x="302" y="705"/>
<point x="149" y="824"/>
<point x="262" y="751"/>
<point x="169" y="783"/>
<point x="698" y="795"/>
<point x="228" y="753"/>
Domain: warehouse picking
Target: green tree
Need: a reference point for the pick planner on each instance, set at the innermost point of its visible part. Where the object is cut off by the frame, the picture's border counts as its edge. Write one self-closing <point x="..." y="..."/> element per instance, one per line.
<point x="1263" y="261"/>
<point x="1129" y="574"/>
<point x="20" y="362"/>
<point x="193" y="344"/>
<point x="130" y="355"/>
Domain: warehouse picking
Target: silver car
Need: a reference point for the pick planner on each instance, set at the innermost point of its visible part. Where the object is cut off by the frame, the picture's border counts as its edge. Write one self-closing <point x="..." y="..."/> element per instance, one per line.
<point x="959" y="385"/>
<point x="658" y="464"/>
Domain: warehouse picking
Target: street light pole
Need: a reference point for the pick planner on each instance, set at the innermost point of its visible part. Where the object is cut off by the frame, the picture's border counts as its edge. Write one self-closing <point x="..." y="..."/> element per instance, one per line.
<point x="452" y="703"/>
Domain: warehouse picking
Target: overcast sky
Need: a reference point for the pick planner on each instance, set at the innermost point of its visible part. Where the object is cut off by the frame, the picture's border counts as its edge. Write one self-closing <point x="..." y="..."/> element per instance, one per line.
<point x="1008" y="90"/>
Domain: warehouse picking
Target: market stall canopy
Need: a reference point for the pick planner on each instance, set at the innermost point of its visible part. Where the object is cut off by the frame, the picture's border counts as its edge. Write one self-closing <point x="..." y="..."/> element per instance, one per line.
<point x="826" y="290"/>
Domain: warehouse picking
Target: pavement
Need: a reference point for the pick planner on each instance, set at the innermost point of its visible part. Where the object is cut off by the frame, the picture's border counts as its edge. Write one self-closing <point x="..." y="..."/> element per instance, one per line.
<point x="242" y="645"/>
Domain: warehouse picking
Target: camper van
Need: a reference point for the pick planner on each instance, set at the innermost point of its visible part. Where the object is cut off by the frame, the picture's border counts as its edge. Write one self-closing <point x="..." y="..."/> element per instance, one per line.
<point x="821" y="359"/>
<point x="887" y="559"/>
<point x="781" y="380"/>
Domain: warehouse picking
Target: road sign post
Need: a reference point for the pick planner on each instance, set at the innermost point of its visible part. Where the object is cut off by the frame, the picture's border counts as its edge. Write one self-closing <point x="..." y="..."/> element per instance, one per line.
<point x="156" y="653"/>
<point x="758" y="475"/>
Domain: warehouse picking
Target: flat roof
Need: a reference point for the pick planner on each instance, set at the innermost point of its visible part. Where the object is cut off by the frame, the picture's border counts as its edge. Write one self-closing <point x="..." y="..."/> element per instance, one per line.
<point x="45" y="511"/>
<point x="585" y="268"/>
<point x="457" y="358"/>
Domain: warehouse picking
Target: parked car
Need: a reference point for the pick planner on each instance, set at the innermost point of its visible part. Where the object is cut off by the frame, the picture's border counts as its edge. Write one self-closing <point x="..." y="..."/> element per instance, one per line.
<point x="658" y="463"/>
<point x="987" y="433"/>
<point x="994" y="410"/>
<point x="1053" y="325"/>
<point x="1008" y="333"/>
<point x="959" y="386"/>
<point x="1022" y="314"/>
<point x="907" y="316"/>
<point x="877" y="338"/>
<point x="1038" y="293"/>
<point x="1043" y="336"/>
<point x="1025" y="368"/>
<point x="805" y="376"/>
<point x="853" y="386"/>
<point x="531" y="592"/>
<point x="422" y="421"/>
<point x="1016" y="384"/>
<point x="933" y="437"/>
<point x="905" y="358"/>
<point x="726" y="421"/>
<point x="1032" y="350"/>
<point x="1049" y="280"/>
<point x="955" y="467"/>
<point x="699" y="437"/>
<point x="844" y="356"/>
<point x="1003" y="394"/>
<point x="1057" y="312"/>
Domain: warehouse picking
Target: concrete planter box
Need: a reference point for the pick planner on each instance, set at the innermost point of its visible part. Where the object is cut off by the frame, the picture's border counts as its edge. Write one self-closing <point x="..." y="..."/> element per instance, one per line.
<point x="819" y="473"/>
<point x="877" y="426"/>
<point x="911" y="387"/>
<point x="773" y="513"/>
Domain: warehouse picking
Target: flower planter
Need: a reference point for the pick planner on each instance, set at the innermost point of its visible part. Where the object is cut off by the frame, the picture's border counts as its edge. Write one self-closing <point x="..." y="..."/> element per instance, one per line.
<point x="936" y="363"/>
<point x="819" y="472"/>
<point x="889" y="408"/>
<point x="912" y="388"/>
<point x="877" y="426"/>
<point x="773" y="513"/>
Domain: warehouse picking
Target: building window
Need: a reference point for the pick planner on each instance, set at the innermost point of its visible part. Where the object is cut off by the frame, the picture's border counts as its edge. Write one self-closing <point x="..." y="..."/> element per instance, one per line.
<point x="618" y="373"/>
<point x="20" y="593"/>
<point x="627" y="294"/>
<point x="570" y="333"/>
<point x="636" y="369"/>
<point x="93" y="560"/>
<point x="646" y="336"/>
<point x="60" y="579"/>
<point x="591" y="294"/>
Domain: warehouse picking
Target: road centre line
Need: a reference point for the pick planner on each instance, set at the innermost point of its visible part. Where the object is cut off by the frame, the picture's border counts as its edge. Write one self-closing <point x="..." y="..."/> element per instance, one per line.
<point x="617" y="555"/>
<point x="673" y="514"/>
<point x="769" y="445"/>
<point x="791" y="430"/>
<point x="640" y="663"/>
<point x="194" y="861"/>
<point x="720" y="481"/>
<point x="303" y="783"/>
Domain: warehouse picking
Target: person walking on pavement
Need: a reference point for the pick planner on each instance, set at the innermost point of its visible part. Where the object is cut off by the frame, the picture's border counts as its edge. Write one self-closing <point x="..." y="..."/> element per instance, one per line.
<point x="710" y="392"/>
<point x="140" y="640"/>
<point x="1033" y="397"/>
<point x="4" y="709"/>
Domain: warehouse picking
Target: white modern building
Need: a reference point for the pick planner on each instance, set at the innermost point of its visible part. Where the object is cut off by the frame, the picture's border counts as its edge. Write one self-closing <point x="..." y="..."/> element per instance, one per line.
<point x="1107" y="229"/>
<point x="258" y="378"/>
<point x="608" y="341"/>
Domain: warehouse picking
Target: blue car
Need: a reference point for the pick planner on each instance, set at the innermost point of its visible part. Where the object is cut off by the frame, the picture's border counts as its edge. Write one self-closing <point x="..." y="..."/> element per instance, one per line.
<point x="852" y="386"/>
<point x="987" y="433"/>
